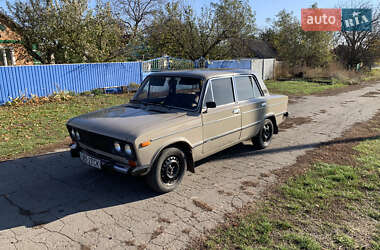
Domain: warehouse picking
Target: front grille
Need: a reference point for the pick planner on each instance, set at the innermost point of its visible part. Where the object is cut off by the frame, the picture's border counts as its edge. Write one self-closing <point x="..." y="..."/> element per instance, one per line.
<point x="101" y="143"/>
<point x="97" y="141"/>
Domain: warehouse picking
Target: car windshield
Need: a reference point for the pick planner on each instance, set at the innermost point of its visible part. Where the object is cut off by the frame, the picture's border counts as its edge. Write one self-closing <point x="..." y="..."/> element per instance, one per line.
<point x="170" y="91"/>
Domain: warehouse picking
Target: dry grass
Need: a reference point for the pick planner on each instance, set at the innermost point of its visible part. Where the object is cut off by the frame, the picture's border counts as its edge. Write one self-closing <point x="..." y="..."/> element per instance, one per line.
<point x="250" y="184"/>
<point x="165" y="220"/>
<point x="334" y="71"/>
<point x="157" y="232"/>
<point x="203" y="205"/>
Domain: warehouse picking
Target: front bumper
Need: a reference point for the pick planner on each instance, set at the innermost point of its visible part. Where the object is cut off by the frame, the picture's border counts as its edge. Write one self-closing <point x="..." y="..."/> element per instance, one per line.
<point x="109" y="161"/>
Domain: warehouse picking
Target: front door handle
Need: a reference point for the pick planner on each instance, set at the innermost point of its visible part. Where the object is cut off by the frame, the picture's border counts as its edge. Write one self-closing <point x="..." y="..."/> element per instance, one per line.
<point x="236" y="111"/>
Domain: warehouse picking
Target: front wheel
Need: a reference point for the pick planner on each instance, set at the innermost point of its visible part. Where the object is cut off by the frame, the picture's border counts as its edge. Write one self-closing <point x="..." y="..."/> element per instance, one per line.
<point x="264" y="137"/>
<point x="168" y="171"/>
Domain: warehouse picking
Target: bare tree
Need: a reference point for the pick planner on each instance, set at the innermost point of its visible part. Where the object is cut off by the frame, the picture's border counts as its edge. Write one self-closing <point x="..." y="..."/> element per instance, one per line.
<point x="353" y="47"/>
<point x="136" y="13"/>
<point x="177" y="31"/>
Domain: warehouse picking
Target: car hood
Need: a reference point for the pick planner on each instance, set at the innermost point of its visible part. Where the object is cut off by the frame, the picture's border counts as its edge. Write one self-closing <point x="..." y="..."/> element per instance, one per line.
<point x="126" y="122"/>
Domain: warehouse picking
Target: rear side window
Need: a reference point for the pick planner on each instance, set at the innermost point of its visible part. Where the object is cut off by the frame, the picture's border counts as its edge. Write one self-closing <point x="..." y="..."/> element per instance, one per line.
<point x="246" y="88"/>
<point x="222" y="91"/>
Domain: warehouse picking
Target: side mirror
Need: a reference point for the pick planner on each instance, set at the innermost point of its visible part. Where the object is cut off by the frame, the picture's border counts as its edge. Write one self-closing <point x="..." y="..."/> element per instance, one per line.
<point x="210" y="105"/>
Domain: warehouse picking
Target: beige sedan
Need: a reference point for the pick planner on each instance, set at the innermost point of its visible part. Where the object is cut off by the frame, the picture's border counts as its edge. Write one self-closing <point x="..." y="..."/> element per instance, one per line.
<point x="175" y="119"/>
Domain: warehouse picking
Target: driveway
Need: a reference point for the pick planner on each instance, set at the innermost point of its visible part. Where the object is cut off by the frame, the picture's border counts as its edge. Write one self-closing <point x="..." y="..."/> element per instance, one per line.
<point x="53" y="201"/>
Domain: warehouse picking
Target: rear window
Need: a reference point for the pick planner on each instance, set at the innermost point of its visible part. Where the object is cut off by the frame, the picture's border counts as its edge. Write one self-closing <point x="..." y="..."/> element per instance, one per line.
<point x="246" y="88"/>
<point x="222" y="91"/>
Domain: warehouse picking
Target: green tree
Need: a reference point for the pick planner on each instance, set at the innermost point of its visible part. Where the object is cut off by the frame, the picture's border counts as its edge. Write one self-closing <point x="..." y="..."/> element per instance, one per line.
<point x="295" y="46"/>
<point x="68" y="31"/>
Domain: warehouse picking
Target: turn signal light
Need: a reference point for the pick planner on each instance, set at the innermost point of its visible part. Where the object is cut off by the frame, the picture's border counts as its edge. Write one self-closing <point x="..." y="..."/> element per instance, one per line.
<point x="145" y="144"/>
<point x="132" y="163"/>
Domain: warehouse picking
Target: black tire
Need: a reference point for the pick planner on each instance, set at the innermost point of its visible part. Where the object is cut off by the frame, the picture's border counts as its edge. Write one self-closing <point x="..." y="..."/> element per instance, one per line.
<point x="168" y="171"/>
<point x="265" y="135"/>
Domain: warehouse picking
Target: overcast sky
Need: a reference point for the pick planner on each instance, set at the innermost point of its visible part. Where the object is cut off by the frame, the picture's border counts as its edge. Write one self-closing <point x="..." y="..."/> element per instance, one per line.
<point x="268" y="8"/>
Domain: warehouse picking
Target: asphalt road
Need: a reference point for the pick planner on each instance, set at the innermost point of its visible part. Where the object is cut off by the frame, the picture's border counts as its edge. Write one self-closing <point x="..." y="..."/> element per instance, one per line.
<point x="53" y="201"/>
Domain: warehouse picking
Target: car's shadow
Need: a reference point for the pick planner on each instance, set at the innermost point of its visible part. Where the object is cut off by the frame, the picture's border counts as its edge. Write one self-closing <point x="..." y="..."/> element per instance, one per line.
<point x="42" y="189"/>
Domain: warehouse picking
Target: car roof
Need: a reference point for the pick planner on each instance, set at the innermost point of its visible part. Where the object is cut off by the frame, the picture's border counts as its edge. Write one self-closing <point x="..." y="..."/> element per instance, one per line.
<point x="203" y="74"/>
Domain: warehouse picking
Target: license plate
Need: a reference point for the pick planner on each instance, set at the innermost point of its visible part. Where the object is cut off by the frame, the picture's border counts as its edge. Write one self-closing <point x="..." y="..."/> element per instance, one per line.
<point x="91" y="161"/>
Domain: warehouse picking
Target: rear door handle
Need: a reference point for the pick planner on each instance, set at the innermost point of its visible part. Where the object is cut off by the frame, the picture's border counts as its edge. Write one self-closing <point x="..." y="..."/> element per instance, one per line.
<point x="236" y="111"/>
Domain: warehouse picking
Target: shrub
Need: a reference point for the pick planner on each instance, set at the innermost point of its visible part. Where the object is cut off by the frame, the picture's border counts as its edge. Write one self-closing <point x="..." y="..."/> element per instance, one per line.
<point x="57" y="96"/>
<point x="97" y="91"/>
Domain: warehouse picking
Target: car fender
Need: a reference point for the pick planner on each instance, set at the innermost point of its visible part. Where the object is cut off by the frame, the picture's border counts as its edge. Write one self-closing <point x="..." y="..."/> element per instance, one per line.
<point x="172" y="142"/>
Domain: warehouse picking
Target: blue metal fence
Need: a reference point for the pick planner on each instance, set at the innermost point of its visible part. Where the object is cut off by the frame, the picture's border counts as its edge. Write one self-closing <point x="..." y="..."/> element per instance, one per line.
<point x="43" y="80"/>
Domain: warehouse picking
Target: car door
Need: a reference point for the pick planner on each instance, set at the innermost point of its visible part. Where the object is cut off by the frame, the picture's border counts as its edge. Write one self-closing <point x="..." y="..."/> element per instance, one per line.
<point x="252" y="105"/>
<point x="222" y="124"/>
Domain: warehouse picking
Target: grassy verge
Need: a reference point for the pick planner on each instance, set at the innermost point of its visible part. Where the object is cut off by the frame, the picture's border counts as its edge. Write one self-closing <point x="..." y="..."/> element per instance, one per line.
<point x="299" y="88"/>
<point x="374" y="75"/>
<point x="29" y="129"/>
<point x="333" y="204"/>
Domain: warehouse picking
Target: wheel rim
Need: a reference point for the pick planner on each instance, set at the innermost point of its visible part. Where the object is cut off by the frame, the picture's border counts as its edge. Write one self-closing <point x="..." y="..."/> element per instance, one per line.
<point x="267" y="132"/>
<point x="171" y="170"/>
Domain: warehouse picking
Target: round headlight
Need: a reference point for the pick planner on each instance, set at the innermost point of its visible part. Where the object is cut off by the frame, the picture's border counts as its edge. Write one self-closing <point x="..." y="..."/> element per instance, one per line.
<point x="117" y="147"/>
<point x="128" y="150"/>
<point x="77" y="135"/>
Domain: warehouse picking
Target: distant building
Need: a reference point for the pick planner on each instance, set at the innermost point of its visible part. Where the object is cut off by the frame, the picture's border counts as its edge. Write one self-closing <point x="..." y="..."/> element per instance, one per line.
<point x="261" y="49"/>
<point x="12" y="52"/>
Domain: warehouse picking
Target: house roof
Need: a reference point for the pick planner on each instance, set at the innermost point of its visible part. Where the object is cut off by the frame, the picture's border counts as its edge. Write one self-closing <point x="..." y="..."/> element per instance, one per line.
<point x="261" y="49"/>
<point x="7" y="21"/>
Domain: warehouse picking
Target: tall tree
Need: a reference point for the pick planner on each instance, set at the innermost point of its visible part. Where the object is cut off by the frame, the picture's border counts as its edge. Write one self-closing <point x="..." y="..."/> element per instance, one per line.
<point x="136" y="14"/>
<point x="354" y="47"/>
<point x="177" y="31"/>
<point x="295" y="46"/>
<point x="67" y="31"/>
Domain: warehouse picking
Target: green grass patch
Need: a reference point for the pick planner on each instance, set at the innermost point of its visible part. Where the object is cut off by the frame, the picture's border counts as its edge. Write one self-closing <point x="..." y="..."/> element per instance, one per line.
<point x="299" y="88"/>
<point x="373" y="75"/>
<point x="25" y="129"/>
<point x="324" y="208"/>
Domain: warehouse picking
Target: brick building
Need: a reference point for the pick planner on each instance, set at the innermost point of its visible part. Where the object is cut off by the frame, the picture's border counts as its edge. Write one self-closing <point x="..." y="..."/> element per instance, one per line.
<point x="11" y="50"/>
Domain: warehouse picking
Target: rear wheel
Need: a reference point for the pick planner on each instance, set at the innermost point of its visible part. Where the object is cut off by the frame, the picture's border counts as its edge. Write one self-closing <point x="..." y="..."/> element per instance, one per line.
<point x="264" y="137"/>
<point x="168" y="171"/>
